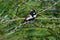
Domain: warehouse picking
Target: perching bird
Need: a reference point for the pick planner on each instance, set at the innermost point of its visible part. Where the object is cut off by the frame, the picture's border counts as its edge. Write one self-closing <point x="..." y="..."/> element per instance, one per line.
<point x="31" y="16"/>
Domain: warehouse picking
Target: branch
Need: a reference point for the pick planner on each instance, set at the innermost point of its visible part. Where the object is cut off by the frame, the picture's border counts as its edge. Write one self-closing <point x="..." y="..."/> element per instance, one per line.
<point x="50" y="30"/>
<point x="39" y="26"/>
<point x="8" y="20"/>
<point x="49" y="7"/>
<point x="13" y="31"/>
<point x="54" y="33"/>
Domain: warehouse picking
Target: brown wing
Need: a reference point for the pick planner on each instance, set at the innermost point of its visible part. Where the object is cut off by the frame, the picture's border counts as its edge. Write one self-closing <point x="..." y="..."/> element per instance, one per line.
<point x="26" y="18"/>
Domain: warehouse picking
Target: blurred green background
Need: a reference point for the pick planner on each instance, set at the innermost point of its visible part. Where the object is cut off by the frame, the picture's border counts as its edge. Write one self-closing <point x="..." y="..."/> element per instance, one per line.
<point x="29" y="31"/>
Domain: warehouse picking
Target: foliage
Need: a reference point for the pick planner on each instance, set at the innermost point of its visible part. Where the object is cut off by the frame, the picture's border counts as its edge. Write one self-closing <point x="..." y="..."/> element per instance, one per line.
<point x="29" y="31"/>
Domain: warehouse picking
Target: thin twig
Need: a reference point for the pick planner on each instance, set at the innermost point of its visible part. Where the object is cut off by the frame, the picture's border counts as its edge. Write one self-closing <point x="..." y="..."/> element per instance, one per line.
<point x="13" y="31"/>
<point x="49" y="29"/>
<point x="54" y="33"/>
<point x="49" y="7"/>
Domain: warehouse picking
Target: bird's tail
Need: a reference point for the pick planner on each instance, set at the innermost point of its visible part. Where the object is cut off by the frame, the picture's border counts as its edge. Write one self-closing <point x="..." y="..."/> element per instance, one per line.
<point x="24" y="21"/>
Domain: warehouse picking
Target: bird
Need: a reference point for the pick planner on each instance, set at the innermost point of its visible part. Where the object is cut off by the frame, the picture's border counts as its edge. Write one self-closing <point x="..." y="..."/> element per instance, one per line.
<point x="31" y="16"/>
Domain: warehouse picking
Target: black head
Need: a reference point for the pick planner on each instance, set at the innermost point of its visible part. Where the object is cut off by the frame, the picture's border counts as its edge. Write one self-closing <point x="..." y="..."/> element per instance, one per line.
<point x="33" y="12"/>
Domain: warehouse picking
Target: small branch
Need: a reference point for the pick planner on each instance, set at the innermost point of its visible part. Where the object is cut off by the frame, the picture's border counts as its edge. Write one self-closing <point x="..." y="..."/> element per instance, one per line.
<point x="24" y="18"/>
<point x="8" y="20"/>
<point x="49" y="29"/>
<point x="13" y="31"/>
<point x="17" y="9"/>
<point x="54" y="33"/>
<point x="49" y="7"/>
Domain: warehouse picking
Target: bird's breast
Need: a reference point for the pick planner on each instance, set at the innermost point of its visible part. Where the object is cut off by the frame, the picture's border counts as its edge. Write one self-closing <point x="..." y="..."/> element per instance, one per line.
<point x="29" y="17"/>
<point x="34" y="16"/>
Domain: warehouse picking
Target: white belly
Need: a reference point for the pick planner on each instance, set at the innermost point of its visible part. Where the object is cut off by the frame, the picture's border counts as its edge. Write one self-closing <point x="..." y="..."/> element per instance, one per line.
<point x="30" y="17"/>
<point x="34" y="16"/>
